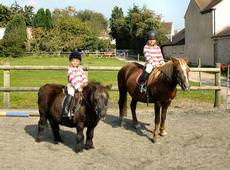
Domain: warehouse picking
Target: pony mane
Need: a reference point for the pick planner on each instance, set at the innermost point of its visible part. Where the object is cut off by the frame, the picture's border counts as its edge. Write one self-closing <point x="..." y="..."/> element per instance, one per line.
<point x="162" y="72"/>
<point x="166" y="71"/>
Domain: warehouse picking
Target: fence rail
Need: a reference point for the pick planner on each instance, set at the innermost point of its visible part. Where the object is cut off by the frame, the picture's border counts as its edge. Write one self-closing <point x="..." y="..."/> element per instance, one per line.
<point x="98" y="53"/>
<point x="6" y="89"/>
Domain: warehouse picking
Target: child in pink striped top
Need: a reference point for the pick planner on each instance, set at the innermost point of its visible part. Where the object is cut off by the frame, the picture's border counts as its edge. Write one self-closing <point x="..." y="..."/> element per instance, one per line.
<point x="153" y="58"/>
<point x="77" y="80"/>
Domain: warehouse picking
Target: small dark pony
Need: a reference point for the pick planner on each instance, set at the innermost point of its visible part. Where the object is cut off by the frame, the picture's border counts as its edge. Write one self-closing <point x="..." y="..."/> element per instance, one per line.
<point x="93" y="106"/>
<point x="162" y="89"/>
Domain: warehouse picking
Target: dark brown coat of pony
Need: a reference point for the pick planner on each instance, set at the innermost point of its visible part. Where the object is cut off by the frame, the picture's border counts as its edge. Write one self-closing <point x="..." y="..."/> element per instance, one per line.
<point x="162" y="84"/>
<point x="92" y="108"/>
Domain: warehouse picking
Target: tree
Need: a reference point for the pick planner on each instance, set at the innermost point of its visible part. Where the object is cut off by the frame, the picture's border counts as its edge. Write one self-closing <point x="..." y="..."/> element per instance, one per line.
<point x="96" y="21"/>
<point x="49" y="21"/>
<point x="43" y="19"/>
<point x="16" y="8"/>
<point x="5" y="15"/>
<point x="13" y="43"/>
<point x="48" y="40"/>
<point x="75" y="34"/>
<point x="39" y="18"/>
<point x="131" y="31"/>
<point x="119" y="28"/>
<point x="67" y="12"/>
<point x="28" y="15"/>
<point x="67" y="34"/>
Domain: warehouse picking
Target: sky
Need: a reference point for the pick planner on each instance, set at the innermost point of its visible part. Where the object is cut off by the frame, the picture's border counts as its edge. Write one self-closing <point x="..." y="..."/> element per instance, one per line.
<point x="170" y="10"/>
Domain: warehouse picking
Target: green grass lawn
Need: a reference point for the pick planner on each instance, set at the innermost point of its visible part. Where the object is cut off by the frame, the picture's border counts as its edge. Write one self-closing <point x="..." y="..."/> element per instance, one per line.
<point x="37" y="78"/>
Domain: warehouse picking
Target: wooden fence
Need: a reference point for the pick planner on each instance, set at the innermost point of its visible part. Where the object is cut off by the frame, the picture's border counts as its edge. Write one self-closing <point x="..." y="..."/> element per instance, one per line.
<point x="6" y="89"/>
<point x="106" y="54"/>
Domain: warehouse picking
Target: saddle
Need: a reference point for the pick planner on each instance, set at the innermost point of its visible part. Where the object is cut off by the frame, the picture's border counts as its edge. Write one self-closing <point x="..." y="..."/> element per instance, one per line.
<point x="142" y="76"/>
<point x="75" y="103"/>
<point x="140" y="79"/>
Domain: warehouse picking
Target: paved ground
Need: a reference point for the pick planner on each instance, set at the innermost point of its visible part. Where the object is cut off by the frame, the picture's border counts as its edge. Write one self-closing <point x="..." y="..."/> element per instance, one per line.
<point x="198" y="139"/>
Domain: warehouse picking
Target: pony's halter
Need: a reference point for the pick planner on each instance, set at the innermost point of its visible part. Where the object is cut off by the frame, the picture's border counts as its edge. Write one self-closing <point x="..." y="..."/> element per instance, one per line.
<point x="178" y="80"/>
<point x="92" y="107"/>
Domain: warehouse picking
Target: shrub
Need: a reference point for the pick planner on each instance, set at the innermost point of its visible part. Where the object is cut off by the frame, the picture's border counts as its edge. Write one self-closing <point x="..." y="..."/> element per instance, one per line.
<point x="13" y="43"/>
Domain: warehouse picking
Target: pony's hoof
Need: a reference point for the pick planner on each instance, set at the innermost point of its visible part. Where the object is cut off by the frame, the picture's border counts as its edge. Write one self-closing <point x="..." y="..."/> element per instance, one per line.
<point x="137" y="126"/>
<point x="87" y="147"/>
<point x="38" y="140"/>
<point x="58" y="141"/>
<point x="155" y="141"/>
<point x="163" y="133"/>
<point x="122" y="122"/>
<point x="79" y="149"/>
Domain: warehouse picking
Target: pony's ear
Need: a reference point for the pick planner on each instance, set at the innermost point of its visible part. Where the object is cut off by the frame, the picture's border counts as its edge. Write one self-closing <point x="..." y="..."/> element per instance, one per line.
<point x="109" y="87"/>
<point x="174" y="60"/>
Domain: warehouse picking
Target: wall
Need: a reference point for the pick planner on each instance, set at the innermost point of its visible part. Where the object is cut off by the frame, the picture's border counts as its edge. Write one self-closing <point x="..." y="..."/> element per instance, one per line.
<point x="2" y="30"/>
<point x="174" y="50"/>
<point x="198" y="33"/>
<point x="222" y="50"/>
<point x="28" y="30"/>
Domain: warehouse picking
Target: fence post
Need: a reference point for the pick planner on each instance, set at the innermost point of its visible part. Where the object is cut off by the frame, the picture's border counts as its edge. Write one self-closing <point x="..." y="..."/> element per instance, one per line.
<point x="6" y="83"/>
<point x="199" y="66"/>
<point x="138" y="57"/>
<point x="217" y="83"/>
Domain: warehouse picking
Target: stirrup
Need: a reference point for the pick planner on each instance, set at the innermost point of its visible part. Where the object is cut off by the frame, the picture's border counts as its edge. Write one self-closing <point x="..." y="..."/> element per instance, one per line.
<point x="143" y="88"/>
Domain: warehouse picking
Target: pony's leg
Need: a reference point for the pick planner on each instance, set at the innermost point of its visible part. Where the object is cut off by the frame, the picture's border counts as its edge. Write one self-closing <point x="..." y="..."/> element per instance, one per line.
<point x="122" y="104"/>
<point x="89" y="138"/>
<point x="55" y="129"/>
<point x="133" y="106"/>
<point x="163" y="118"/>
<point x="80" y="138"/>
<point x="157" y="121"/>
<point x="41" y="127"/>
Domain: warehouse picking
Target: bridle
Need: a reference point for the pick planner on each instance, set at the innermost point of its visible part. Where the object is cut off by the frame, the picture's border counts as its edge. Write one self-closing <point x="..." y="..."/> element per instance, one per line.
<point x="92" y="107"/>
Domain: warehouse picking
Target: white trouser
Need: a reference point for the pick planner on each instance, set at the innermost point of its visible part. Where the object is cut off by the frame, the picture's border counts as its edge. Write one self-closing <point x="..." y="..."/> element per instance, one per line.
<point x="70" y="89"/>
<point x="149" y="67"/>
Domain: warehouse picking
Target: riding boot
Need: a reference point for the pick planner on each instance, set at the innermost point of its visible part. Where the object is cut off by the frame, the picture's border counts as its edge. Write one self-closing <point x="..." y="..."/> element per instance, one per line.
<point x="66" y="105"/>
<point x="143" y="81"/>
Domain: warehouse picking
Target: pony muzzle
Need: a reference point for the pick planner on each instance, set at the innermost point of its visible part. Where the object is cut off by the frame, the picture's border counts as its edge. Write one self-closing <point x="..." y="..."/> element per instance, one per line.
<point x="185" y="87"/>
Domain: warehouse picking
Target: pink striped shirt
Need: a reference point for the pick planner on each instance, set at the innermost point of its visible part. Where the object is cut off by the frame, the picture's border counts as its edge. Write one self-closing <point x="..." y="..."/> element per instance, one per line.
<point x="153" y="55"/>
<point x="76" y="77"/>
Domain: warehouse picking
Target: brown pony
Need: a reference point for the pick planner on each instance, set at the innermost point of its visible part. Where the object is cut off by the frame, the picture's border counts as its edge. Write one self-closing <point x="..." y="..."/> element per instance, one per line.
<point x="162" y="89"/>
<point x="93" y="107"/>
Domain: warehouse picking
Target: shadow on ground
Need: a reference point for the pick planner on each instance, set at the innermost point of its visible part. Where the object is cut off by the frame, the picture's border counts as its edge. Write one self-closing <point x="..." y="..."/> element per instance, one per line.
<point x="142" y="130"/>
<point x="68" y="137"/>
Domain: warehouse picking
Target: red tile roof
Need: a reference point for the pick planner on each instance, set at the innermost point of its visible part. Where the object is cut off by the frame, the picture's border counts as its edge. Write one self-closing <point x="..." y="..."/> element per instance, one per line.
<point x="223" y="33"/>
<point x="167" y="26"/>
<point x="177" y="39"/>
<point x="206" y="5"/>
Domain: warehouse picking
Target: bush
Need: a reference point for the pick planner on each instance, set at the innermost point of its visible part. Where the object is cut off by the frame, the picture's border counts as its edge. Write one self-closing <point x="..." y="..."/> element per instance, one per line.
<point x="13" y="42"/>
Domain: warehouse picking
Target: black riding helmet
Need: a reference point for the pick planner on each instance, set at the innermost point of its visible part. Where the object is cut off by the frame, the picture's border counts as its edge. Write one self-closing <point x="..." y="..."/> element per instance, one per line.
<point x="151" y="35"/>
<point x="76" y="55"/>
